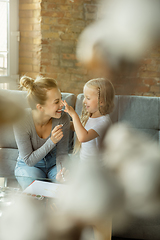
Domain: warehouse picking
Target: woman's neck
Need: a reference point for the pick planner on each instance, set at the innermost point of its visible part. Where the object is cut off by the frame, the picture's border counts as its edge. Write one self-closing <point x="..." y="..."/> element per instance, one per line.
<point x="39" y="118"/>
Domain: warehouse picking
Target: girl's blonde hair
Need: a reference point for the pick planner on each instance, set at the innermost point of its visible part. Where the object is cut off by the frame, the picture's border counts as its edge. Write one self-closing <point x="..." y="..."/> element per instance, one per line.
<point x="106" y="94"/>
<point x="37" y="89"/>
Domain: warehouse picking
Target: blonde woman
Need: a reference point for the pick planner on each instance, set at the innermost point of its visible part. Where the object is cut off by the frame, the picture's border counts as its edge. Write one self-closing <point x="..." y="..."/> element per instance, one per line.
<point x="42" y="134"/>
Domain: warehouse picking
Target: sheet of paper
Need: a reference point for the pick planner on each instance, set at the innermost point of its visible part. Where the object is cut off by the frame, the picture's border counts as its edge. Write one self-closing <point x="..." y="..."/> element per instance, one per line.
<point x="46" y="189"/>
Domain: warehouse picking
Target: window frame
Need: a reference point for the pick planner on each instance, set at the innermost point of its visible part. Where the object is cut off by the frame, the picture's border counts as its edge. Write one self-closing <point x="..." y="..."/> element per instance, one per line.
<point x="11" y="80"/>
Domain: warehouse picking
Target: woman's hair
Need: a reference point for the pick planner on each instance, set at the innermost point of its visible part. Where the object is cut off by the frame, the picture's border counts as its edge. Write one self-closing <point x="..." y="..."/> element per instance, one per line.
<point x="37" y="89"/>
<point x="105" y="94"/>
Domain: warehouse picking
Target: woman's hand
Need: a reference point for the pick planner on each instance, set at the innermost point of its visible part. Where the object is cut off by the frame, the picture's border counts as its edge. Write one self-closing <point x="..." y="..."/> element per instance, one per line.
<point x="57" y="134"/>
<point x="68" y="109"/>
<point x="63" y="175"/>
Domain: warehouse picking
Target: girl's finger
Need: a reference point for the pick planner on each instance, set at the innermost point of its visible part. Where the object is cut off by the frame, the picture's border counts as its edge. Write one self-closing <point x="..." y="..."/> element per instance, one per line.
<point x="65" y="104"/>
<point x="62" y="102"/>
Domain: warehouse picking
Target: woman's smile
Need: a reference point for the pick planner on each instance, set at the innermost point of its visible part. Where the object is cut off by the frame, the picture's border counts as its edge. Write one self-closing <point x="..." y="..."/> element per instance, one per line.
<point x="59" y="110"/>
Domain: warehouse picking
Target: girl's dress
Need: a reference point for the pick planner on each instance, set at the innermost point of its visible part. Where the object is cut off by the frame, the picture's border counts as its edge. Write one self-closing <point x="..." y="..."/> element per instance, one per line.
<point x="100" y="125"/>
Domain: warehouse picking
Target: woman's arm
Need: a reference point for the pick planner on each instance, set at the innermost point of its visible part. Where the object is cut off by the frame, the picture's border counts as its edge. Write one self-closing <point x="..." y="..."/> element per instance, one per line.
<point x="31" y="148"/>
<point x="82" y="134"/>
<point x="63" y="144"/>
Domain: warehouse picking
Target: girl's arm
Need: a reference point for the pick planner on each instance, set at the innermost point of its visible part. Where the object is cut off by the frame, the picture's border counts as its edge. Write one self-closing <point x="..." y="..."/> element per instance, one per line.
<point x="82" y="134"/>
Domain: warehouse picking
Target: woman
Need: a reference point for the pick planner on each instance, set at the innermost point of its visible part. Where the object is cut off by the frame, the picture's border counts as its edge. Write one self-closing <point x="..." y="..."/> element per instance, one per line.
<point x="42" y="134"/>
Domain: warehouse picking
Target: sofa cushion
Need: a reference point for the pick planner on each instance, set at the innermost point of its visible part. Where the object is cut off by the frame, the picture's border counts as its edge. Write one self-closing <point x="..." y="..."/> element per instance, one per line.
<point x="17" y="96"/>
<point x="8" y="159"/>
<point x="70" y="98"/>
<point x="141" y="112"/>
<point x="79" y="103"/>
<point x="6" y="131"/>
<point x="7" y="139"/>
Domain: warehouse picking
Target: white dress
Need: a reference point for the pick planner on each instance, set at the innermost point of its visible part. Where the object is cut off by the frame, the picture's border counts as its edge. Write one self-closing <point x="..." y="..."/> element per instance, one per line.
<point x="89" y="149"/>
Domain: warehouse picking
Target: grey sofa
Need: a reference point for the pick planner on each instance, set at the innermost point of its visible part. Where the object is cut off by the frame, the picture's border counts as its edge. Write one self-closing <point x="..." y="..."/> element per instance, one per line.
<point x="142" y="112"/>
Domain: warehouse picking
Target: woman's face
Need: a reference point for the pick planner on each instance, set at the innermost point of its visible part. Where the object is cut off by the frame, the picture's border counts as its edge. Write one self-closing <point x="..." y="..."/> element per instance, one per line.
<point x="53" y="105"/>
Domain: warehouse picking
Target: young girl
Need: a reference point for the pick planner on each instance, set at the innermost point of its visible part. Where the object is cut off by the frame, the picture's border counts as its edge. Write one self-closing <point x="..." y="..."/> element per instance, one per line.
<point x="95" y="120"/>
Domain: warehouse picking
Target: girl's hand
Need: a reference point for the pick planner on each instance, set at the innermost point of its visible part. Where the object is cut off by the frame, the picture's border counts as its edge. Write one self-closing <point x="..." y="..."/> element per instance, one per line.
<point x="68" y="109"/>
<point x="57" y="134"/>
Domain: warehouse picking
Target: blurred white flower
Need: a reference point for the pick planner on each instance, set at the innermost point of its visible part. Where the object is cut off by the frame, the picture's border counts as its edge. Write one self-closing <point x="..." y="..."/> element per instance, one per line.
<point x="93" y="196"/>
<point x="126" y="30"/>
<point x="23" y="219"/>
<point x="135" y="159"/>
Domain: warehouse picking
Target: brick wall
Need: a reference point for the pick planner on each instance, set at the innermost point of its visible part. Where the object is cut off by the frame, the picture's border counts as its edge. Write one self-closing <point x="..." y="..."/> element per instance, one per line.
<point x="30" y="33"/>
<point x="144" y="79"/>
<point x="50" y="47"/>
<point x="62" y="22"/>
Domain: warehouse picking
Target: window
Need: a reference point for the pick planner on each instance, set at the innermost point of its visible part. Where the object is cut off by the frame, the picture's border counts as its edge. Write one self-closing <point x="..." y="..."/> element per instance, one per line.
<point x="9" y="43"/>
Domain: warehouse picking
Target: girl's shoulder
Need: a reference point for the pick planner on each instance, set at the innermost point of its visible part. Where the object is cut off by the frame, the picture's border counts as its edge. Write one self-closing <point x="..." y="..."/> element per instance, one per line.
<point x="99" y="124"/>
<point x="101" y="118"/>
<point x="106" y="117"/>
<point x="102" y="121"/>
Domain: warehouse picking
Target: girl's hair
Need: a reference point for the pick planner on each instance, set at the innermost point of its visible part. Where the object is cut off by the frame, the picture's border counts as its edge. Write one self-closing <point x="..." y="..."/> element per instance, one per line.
<point x="105" y="93"/>
<point x="37" y="89"/>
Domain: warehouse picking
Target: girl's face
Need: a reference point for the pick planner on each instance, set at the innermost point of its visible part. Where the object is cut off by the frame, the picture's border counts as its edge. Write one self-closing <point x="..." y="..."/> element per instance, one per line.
<point x="53" y="105"/>
<point x="91" y="101"/>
